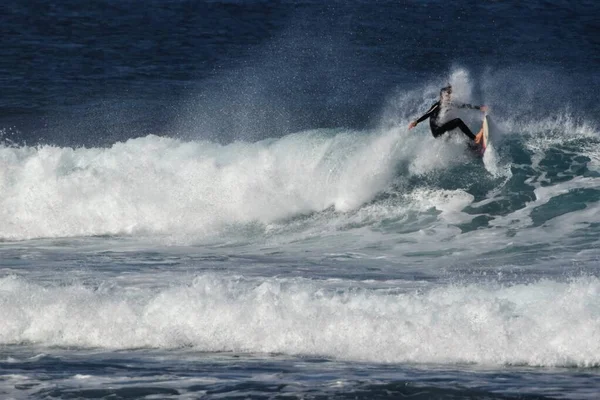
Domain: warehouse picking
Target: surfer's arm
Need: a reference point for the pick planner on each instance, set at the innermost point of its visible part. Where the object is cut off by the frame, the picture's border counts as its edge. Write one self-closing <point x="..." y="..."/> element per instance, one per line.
<point x="424" y="117"/>
<point x="466" y="105"/>
<point x="472" y="107"/>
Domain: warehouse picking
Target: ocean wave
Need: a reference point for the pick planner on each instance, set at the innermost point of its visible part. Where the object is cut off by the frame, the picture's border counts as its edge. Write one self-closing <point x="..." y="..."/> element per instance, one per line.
<point x="544" y="323"/>
<point x="197" y="189"/>
<point x="159" y="185"/>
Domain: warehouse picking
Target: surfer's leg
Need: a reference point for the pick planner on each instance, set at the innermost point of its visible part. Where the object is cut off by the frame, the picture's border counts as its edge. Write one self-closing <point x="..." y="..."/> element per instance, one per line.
<point x="453" y="124"/>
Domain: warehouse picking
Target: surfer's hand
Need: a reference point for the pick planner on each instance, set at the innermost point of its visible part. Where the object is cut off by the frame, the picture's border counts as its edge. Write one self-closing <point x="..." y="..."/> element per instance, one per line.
<point x="484" y="108"/>
<point x="412" y="125"/>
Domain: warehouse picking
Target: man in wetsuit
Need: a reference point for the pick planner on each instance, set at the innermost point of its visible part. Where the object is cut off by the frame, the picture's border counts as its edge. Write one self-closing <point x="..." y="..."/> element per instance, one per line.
<point x="443" y="104"/>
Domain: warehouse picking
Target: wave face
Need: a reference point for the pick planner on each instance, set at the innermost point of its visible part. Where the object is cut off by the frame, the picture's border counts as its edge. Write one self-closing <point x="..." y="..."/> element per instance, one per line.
<point x="540" y="324"/>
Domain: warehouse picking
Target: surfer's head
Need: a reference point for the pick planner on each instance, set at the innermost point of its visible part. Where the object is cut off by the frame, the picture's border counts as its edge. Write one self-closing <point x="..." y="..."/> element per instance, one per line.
<point x="446" y="92"/>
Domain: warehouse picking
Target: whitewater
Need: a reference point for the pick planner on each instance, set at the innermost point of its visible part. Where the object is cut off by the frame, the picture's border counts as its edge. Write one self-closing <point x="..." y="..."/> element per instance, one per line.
<point x="546" y="323"/>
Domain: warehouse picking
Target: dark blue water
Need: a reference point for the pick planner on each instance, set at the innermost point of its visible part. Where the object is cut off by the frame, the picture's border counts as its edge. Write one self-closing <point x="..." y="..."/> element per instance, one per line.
<point x="220" y="199"/>
<point x="95" y="73"/>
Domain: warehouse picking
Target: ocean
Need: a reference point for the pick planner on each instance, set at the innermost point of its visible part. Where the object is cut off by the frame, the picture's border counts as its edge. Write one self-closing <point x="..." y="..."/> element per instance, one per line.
<point x="221" y="200"/>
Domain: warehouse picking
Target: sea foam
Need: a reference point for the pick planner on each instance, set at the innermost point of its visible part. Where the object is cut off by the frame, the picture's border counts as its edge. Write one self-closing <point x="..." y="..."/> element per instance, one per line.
<point x="157" y="185"/>
<point x="546" y="323"/>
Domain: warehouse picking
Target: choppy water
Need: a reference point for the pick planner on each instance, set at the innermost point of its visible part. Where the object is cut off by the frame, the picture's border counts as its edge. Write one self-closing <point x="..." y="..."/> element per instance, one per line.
<point x="222" y="200"/>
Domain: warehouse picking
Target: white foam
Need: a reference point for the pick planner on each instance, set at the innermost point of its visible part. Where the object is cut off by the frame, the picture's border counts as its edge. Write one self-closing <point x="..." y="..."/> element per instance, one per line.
<point x="449" y="202"/>
<point x="437" y="154"/>
<point x="546" y="323"/>
<point x="164" y="186"/>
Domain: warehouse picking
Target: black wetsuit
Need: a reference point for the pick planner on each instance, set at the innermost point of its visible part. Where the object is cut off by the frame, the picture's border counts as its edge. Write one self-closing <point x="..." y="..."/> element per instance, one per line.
<point x="437" y="129"/>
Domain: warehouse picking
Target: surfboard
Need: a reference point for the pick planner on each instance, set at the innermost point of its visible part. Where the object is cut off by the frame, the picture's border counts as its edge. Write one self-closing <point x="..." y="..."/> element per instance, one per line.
<point x="486" y="134"/>
<point x="483" y="141"/>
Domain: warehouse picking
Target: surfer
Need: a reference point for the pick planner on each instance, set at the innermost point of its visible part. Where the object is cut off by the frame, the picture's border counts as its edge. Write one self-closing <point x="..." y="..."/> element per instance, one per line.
<point x="442" y="106"/>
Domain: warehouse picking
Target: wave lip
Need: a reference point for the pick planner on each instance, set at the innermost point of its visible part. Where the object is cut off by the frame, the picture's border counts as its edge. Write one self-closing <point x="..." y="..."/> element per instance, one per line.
<point x="546" y="323"/>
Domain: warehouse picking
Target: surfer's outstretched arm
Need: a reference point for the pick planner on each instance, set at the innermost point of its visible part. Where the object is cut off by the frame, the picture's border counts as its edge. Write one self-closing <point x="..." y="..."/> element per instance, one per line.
<point x="472" y="107"/>
<point x="425" y="116"/>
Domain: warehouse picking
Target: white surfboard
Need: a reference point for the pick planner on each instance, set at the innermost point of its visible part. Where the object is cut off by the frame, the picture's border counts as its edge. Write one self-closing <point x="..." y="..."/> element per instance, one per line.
<point x="486" y="135"/>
